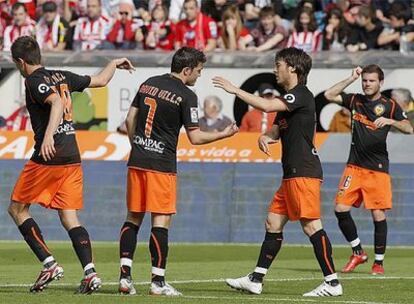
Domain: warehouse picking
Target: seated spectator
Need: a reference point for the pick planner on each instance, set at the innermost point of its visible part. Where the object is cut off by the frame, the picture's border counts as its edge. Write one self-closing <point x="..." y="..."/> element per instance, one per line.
<point x="159" y="33"/>
<point x="122" y="34"/>
<point x="336" y="31"/>
<point x="216" y="8"/>
<point x="268" y="35"/>
<point x="74" y="9"/>
<point x="252" y="10"/>
<point x="364" y="34"/>
<point x="91" y="31"/>
<point x="52" y="30"/>
<point x="197" y="30"/>
<point x="349" y="13"/>
<point x="22" y="25"/>
<point x="341" y="121"/>
<point x="213" y="120"/>
<point x="306" y="35"/>
<point x="405" y="100"/>
<point x="399" y="16"/>
<point x="176" y="11"/>
<point x="233" y="35"/>
<point x="316" y="7"/>
<point x="256" y="120"/>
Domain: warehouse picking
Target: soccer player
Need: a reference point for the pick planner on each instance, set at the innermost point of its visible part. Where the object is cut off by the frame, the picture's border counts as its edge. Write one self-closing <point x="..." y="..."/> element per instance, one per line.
<point x="162" y="105"/>
<point x="53" y="176"/>
<point x="298" y="197"/>
<point x="365" y="178"/>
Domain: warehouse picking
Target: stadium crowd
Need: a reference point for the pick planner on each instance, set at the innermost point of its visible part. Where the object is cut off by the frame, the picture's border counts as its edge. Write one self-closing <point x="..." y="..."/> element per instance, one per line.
<point x="209" y="25"/>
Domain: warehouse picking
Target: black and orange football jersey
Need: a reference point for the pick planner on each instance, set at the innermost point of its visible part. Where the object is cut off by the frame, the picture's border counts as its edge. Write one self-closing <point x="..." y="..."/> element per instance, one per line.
<point x="297" y="131"/>
<point x="369" y="143"/>
<point x="164" y="105"/>
<point x="39" y="86"/>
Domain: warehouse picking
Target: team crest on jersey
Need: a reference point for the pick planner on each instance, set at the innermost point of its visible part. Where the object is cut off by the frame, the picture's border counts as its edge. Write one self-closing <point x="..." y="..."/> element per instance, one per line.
<point x="43" y="88"/>
<point x="379" y="109"/>
<point x="194" y="115"/>
<point x="290" y="98"/>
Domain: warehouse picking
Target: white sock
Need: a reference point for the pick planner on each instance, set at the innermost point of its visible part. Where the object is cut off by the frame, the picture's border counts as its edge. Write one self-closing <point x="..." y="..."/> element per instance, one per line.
<point x="48" y="260"/>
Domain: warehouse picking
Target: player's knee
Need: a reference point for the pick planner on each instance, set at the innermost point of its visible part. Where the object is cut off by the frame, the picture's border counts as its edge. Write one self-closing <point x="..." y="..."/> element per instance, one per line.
<point x="378" y="215"/>
<point x="272" y="226"/>
<point x="14" y="210"/>
<point x="342" y="208"/>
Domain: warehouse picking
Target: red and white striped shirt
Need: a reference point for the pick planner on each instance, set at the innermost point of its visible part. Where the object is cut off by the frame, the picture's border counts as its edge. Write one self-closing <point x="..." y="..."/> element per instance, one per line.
<point x="12" y="32"/>
<point x="307" y="41"/>
<point x="91" y="32"/>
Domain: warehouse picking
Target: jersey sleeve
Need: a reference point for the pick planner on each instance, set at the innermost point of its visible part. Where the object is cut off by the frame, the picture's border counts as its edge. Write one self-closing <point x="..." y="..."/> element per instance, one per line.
<point x="77" y="83"/>
<point x="38" y="90"/>
<point x="189" y="111"/>
<point x="295" y="99"/>
<point x="135" y="101"/>
<point x="398" y="114"/>
<point x="348" y="100"/>
<point x="210" y="28"/>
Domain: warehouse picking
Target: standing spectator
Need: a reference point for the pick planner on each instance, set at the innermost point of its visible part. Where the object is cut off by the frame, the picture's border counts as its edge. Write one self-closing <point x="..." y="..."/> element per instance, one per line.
<point x="336" y="31"/>
<point x="159" y="33"/>
<point x="268" y="35"/>
<point x="213" y="120"/>
<point x="92" y="30"/>
<point x="177" y="10"/>
<point x="52" y="30"/>
<point x="306" y="35"/>
<point x="341" y="121"/>
<point x="399" y="16"/>
<point x="406" y="102"/>
<point x="22" y="25"/>
<point x="122" y="34"/>
<point x="197" y="30"/>
<point x="233" y="35"/>
<point x="365" y="33"/>
<point x="256" y="120"/>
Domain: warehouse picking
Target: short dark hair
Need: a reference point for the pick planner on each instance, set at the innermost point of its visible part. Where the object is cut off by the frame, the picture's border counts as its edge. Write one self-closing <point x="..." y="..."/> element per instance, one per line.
<point x="266" y="11"/>
<point x="18" y="5"/>
<point x="373" y="68"/>
<point x="187" y="57"/>
<point x="400" y="11"/>
<point x="298" y="59"/>
<point x="186" y="1"/>
<point x="26" y="48"/>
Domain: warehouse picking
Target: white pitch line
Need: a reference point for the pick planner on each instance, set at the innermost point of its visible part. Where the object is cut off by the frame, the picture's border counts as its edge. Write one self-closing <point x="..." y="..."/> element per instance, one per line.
<point x="260" y="299"/>
<point x="220" y="281"/>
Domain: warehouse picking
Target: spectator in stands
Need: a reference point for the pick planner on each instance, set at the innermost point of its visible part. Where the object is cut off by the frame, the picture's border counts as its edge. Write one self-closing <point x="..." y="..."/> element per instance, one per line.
<point x="216" y="8"/>
<point x="399" y="16"/>
<point x="74" y="9"/>
<point x="233" y="35"/>
<point x="349" y="13"/>
<point x="258" y="121"/>
<point x="22" y="25"/>
<point x="30" y="6"/>
<point x="306" y="35"/>
<point x="268" y="35"/>
<point x="405" y="100"/>
<point x="52" y="30"/>
<point x="197" y="30"/>
<point x="92" y="30"/>
<point x="364" y="34"/>
<point x="252" y="10"/>
<point x="341" y="121"/>
<point x="160" y="32"/>
<point x="336" y="31"/>
<point x="213" y="120"/>
<point x="177" y="10"/>
<point x="122" y="34"/>
<point x="316" y="7"/>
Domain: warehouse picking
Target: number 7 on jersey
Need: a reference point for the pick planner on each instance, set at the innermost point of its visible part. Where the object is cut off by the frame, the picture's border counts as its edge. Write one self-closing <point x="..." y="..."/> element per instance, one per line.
<point x="152" y="103"/>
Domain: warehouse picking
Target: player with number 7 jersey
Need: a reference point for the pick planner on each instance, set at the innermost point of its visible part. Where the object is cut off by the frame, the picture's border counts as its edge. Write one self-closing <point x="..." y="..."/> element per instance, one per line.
<point x="53" y="176"/>
<point x="162" y="105"/>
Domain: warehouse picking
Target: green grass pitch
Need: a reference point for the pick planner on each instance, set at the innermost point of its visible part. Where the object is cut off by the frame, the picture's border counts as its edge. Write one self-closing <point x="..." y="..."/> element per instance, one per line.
<point x="198" y="272"/>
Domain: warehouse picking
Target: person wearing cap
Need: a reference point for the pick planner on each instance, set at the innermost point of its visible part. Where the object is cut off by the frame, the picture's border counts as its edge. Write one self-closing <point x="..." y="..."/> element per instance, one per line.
<point x="52" y="31"/>
<point x="256" y="120"/>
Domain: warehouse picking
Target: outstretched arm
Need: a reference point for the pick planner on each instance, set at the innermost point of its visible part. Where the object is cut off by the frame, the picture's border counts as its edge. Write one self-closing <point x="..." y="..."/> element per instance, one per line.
<point x="257" y="102"/>
<point x="198" y="137"/>
<point x="333" y="94"/>
<point x="104" y="76"/>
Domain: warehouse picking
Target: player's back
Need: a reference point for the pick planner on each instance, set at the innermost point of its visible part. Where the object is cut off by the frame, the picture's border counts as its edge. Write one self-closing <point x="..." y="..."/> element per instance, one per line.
<point x="165" y="104"/>
<point x="39" y="86"/>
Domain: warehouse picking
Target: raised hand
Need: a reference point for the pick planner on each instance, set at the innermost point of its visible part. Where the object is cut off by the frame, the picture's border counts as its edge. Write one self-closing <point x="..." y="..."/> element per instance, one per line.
<point x="220" y="82"/>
